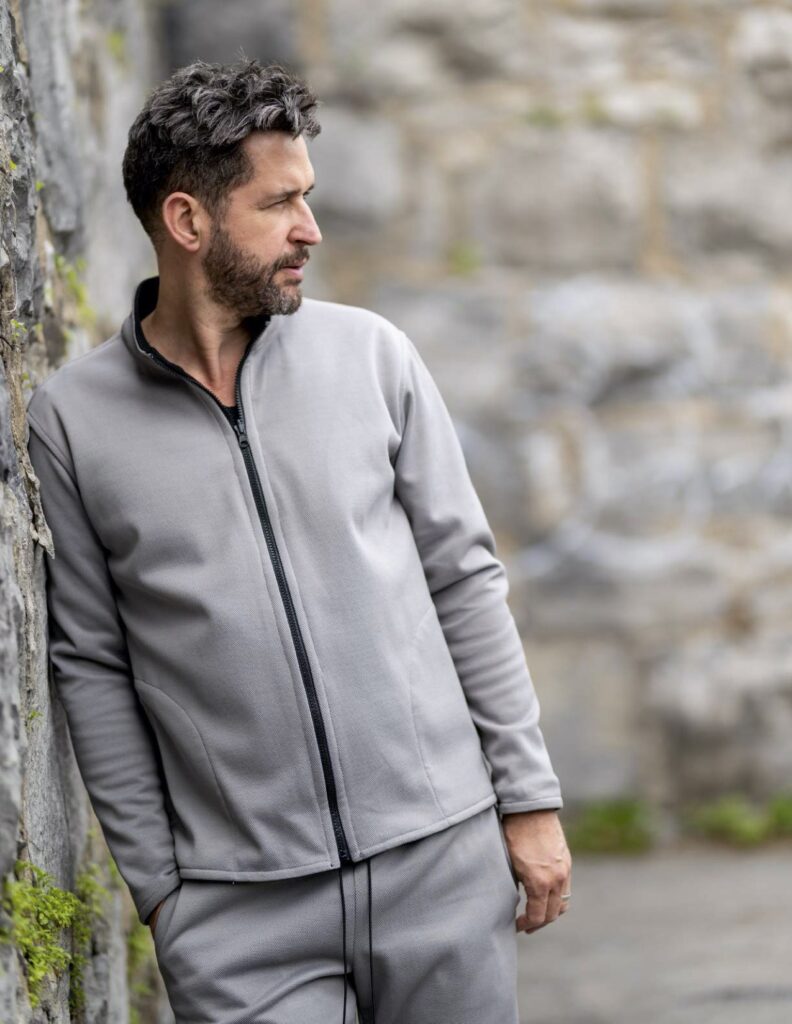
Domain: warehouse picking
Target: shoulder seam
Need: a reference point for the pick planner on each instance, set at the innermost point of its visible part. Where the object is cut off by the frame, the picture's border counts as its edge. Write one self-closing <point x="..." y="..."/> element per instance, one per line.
<point x="402" y="376"/>
<point x="50" y="445"/>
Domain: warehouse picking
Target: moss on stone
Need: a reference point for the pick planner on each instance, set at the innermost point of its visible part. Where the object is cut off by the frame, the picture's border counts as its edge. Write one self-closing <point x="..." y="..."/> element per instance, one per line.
<point x="141" y="968"/>
<point x="545" y="116"/>
<point x="115" y="875"/>
<point x="41" y="913"/>
<point x="31" y="716"/>
<point x="593" y="110"/>
<point x="463" y="259"/>
<point x="93" y="897"/>
<point x="70" y="275"/>
<point x="116" y="45"/>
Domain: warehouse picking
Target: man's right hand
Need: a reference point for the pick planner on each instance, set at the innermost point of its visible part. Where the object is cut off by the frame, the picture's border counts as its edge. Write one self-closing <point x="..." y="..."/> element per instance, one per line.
<point x="152" y="921"/>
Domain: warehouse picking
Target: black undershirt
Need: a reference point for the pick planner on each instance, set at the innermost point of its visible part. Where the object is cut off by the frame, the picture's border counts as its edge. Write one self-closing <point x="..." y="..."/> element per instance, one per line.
<point x="231" y="411"/>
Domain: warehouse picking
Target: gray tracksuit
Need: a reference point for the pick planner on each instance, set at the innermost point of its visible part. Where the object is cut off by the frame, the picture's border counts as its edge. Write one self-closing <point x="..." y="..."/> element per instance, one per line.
<point x="283" y="645"/>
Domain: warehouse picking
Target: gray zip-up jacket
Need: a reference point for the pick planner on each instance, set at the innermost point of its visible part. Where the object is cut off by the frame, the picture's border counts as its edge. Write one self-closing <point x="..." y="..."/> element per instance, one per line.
<point x="284" y="644"/>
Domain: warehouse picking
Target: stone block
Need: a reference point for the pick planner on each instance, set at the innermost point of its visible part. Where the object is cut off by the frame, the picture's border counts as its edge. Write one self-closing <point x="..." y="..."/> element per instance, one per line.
<point x="559" y="202"/>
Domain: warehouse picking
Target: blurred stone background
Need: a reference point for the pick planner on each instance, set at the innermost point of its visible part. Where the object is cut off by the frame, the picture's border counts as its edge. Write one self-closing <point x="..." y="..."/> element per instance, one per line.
<point x="581" y="212"/>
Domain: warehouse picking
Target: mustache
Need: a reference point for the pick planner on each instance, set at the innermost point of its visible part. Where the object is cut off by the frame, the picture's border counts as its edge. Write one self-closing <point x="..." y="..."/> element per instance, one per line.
<point x="298" y="260"/>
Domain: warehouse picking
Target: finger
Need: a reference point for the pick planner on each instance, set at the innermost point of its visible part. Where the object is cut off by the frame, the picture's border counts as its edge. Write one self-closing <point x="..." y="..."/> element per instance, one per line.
<point x="566" y="888"/>
<point x="555" y="905"/>
<point x="535" y="912"/>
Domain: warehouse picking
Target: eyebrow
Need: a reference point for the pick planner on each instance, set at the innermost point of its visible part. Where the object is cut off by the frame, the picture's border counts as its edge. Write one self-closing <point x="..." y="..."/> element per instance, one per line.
<point x="287" y="195"/>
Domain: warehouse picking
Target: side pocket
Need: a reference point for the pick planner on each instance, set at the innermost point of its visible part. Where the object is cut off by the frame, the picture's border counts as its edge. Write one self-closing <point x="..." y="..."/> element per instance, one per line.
<point x="165" y="916"/>
<point x="186" y="762"/>
<point x="448" y="743"/>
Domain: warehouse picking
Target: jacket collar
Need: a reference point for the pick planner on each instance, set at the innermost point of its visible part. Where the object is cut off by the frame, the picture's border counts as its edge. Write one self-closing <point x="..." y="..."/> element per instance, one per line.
<point x="144" y="301"/>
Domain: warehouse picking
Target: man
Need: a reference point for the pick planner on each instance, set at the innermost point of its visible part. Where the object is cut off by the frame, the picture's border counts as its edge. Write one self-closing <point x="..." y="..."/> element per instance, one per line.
<point x="278" y="624"/>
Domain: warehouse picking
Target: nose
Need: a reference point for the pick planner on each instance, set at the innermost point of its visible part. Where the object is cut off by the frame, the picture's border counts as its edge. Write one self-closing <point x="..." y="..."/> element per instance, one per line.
<point x="307" y="230"/>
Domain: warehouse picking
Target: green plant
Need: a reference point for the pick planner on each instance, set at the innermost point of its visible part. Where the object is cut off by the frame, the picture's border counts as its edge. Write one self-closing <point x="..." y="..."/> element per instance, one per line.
<point x="40" y="912"/>
<point x="592" y="109"/>
<point x="115" y="875"/>
<point x="140" y="953"/>
<point x="93" y="897"/>
<point x="463" y="258"/>
<point x="545" y="116"/>
<point x="611" y="826"/>
<point x="116" y="44"/>
<point x="731" y="818"/>
<point x="779" y="814"/>
<point x="71" y="276"/>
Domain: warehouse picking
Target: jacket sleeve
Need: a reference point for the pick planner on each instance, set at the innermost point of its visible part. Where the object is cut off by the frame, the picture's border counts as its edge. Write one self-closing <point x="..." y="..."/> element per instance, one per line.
<point x="469" y="588"/>
<point x="90" y="672"/>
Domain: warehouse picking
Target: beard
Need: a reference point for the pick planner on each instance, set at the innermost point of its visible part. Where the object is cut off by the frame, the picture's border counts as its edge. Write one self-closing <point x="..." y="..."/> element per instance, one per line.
<point x="241" y="282"/>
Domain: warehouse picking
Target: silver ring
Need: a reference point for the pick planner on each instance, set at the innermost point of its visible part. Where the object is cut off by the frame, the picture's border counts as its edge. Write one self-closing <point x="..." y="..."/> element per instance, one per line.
<point x="565" y="895"/>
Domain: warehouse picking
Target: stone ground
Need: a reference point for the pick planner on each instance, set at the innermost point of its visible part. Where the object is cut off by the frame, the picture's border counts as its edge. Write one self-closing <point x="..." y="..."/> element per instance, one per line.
<point x="691" y="935"/>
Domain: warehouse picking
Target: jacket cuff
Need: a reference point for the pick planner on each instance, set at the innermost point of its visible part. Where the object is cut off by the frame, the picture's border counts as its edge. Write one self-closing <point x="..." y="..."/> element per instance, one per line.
<point x="145" y="900"/>
<point x="539" y="804"/>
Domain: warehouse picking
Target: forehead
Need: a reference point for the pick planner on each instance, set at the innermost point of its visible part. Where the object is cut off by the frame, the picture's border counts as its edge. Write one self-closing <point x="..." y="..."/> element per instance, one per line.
<point x="279" y="161"/>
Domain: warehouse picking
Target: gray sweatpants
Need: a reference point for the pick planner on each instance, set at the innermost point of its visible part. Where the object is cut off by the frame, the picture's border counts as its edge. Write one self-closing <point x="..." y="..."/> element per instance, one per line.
<point x="444" y="951"/>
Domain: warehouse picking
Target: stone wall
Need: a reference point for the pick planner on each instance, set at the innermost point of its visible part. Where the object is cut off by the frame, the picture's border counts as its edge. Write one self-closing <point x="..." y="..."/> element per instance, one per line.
<point x="72" y="76"/>
<point x="580" y="212"/>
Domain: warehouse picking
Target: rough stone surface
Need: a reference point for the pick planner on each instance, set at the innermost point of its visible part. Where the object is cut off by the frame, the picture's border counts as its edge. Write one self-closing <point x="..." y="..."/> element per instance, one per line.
<point x="71" y="75"/>
<point x="559" y="202"/>
<point x="202" y="28"/>
<point x="358" y="165"/>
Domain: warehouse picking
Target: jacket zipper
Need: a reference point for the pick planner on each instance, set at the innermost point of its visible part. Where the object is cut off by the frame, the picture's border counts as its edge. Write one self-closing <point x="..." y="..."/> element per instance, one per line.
<point x="283" y="586"/>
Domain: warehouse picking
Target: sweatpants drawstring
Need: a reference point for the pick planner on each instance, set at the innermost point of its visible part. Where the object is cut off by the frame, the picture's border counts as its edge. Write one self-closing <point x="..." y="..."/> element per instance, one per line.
<point x="343" y="933"/>
<point x="371" y="959"/>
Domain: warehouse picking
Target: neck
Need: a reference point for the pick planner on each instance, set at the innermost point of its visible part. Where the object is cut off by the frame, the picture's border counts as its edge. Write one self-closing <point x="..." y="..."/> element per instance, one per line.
<point x="204" y="340"/>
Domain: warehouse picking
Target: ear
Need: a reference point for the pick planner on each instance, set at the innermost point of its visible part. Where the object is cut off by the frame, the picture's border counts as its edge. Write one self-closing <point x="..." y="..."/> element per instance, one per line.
<point x="185" y="220"/>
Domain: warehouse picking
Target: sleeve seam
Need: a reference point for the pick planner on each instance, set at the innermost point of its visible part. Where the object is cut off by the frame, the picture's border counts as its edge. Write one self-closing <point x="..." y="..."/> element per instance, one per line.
<point x="51" y="447"/>
<point x="402" y="382"/>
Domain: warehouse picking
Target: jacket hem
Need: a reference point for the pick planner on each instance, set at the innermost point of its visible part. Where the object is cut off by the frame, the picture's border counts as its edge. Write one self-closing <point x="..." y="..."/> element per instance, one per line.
<point x="368" y="851"/>
<point x="427" y="830"/>
<point x="218" y="874"/>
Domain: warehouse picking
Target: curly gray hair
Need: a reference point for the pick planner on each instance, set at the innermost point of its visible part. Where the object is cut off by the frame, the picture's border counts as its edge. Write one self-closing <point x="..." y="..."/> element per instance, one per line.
<point x="188" y="136"/>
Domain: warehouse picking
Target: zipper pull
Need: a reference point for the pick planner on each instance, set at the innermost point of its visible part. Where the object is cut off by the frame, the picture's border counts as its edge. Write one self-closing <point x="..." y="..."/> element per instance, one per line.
<point x="241" y="435"/>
